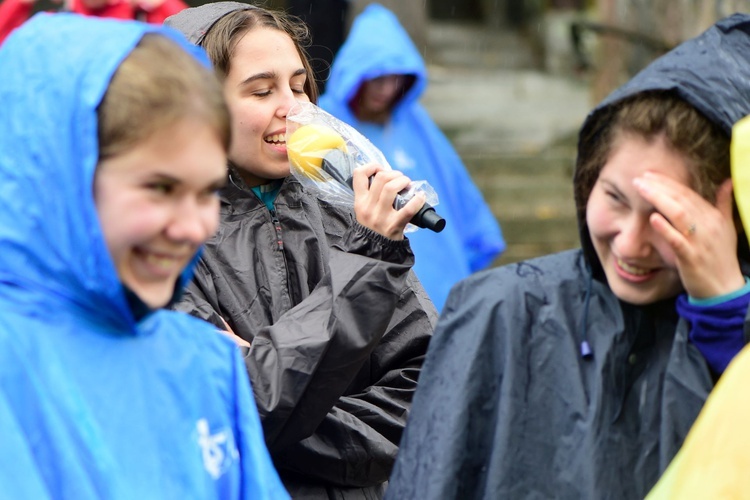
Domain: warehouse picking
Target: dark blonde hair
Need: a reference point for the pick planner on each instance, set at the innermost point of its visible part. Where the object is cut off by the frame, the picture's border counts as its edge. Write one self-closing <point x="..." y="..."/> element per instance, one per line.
<point x="156" y="86"/>
<point x="221" y="40"/>
<point x="649" y="115"/>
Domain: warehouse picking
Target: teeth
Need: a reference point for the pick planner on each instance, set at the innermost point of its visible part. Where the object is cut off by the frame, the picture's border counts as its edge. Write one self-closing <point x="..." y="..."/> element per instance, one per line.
<point x="637" y="271"/>
<point x="276" y="138"/>
<point x="162" y="262"/>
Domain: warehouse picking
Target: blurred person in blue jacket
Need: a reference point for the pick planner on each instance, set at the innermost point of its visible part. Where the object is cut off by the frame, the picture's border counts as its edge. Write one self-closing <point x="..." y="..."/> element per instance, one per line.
<point x="375" y="84"/>
<point x="113" y="141"/>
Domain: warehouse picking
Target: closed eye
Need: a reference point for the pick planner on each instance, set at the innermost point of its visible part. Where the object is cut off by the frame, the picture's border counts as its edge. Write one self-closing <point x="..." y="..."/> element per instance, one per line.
<point x="161" y="187"/>
<point x="614" y="196"/>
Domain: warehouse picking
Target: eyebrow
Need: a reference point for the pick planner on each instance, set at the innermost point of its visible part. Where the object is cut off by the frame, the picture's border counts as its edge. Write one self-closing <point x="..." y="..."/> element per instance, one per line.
<point x="611" y="185"/>
<point x="267" y="75"/>
<point x="216" y="184"/>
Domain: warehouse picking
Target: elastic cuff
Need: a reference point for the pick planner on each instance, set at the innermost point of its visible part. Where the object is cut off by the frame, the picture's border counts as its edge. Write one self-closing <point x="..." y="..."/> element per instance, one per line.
<point x="712" y="301"/>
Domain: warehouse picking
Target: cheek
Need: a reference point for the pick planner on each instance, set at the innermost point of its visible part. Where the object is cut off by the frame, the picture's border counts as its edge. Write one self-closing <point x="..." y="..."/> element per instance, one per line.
<point x="210" y="218"/>
<point x="665" y="252"/>
<point x="598" y="218"/>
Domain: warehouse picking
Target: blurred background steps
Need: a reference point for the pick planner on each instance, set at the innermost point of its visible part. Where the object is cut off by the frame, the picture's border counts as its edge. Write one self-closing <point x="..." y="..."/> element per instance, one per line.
<point x="515" y="127"/>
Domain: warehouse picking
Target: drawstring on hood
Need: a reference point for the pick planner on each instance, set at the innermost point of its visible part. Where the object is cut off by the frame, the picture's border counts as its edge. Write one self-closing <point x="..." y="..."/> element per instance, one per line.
<point x="586" y="352"/>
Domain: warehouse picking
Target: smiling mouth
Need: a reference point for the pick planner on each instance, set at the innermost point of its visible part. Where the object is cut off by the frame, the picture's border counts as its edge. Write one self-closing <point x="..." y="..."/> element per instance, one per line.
<point x="635" y="271"/>
<point x="163" y="265"/>
<point x="276" y="139"/>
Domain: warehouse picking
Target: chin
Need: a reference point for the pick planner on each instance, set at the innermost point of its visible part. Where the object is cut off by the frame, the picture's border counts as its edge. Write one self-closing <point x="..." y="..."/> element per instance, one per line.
<point x="155" y="299"/>
<point x="641" y="297"/>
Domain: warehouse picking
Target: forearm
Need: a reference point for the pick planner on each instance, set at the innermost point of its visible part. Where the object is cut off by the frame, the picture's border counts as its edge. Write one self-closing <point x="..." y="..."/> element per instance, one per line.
<point x="717" y="328"/>
<point x="301" y="365"/>
<point x="356" y="443"/>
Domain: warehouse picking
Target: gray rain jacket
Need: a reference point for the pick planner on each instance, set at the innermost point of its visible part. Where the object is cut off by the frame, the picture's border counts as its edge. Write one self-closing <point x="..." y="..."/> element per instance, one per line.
<point x="339" y="327"/>
<point x="509" y="408"/>
<point x="339" y="324"/>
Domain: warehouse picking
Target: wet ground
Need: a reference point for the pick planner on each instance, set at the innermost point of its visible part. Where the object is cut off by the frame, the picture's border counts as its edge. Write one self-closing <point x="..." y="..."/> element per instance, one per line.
<point x="515" y="127"/>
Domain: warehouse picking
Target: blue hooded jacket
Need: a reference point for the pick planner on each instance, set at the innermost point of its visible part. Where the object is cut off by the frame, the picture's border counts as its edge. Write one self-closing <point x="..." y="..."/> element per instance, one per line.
<point x="378" y="45"/>
<point x="94" y="403"/>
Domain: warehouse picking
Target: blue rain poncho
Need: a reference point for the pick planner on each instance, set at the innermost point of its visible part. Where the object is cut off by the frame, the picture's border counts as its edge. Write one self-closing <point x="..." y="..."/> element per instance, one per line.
<point x="95" y="403"/>
<point x="378" y="45"/>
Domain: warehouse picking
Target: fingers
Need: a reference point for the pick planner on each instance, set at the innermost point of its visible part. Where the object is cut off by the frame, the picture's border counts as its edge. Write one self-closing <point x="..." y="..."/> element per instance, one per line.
<point x="375" y="190"/>
<point x="683" y="208"/>
<point x="725" y="200"/>
<point x="228" y="332"/>
<point x="226" y="326"/>
<point x="701" y="235"/>
<point x="361" y="178"/>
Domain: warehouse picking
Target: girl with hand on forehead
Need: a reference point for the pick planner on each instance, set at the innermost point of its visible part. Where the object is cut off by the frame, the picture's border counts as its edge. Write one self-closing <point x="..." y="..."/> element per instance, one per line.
<point x="578" y="374"/>
<point x="336" y="323"/>
<point x="110" y="170"/>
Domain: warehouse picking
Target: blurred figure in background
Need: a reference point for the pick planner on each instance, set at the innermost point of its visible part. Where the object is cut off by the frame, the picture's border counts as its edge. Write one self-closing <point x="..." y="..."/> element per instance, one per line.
<point x="375" y="84"/>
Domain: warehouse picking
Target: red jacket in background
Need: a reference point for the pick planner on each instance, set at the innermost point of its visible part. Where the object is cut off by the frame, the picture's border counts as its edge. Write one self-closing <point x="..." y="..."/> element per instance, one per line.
<point x="13" y="13"/>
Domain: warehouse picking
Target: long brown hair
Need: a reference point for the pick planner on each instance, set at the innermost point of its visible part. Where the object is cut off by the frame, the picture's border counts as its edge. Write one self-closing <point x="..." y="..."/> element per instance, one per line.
<point x="223" y="37"/>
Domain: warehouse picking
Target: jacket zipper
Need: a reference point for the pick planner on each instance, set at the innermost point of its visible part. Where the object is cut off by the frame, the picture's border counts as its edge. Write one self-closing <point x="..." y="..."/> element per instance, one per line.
<point x="277" y="227"/>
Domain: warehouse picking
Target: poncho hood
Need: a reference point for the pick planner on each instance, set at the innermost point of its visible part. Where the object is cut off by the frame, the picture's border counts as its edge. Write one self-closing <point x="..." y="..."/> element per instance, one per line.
<point x="195" y="22"/>
<point x="711" y="72"/>
<point x="377" y="45"/>
<point x="51" y="241"/>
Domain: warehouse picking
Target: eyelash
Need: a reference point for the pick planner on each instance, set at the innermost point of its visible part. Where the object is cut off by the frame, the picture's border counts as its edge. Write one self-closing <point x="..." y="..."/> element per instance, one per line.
<point x="266" y="93"/>
<point x="211" y="193"/>
<point x="161" y="188"/>
<point x="616" y="198"/>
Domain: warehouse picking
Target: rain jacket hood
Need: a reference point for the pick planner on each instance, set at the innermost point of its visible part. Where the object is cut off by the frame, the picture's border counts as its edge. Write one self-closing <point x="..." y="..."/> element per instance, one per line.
<point x="378" y="45"/>
<point x="52" y="242"/>
<point x="710" y="72"/>
<point x="95" y="403"/>
<point x="195" y="22"/>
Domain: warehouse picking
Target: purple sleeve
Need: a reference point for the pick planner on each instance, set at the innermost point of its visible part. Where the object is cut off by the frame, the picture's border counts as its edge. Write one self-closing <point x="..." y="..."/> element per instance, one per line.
<point x="716" y="330"/>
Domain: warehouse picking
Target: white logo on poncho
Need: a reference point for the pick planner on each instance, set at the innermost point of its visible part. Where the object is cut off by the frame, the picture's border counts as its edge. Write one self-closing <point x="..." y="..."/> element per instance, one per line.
<point x="219" y="449"/>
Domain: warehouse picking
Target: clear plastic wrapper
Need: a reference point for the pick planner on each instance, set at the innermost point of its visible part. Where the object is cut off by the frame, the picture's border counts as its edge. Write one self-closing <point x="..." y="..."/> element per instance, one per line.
<point x="324" y="151"/>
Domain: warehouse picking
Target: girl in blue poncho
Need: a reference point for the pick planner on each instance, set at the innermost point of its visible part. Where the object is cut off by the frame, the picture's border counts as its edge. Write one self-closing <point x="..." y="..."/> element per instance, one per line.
<point x="113" y="143"/>
<point x="376" y="81"/>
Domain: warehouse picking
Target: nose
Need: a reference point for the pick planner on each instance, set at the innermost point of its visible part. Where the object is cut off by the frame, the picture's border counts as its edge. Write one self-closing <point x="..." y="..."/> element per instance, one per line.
<point x="287" y="100"/>
<point x="193" y="221"/>
<point x="635" y="239"/>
